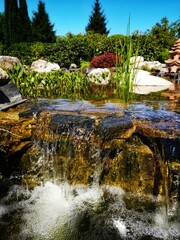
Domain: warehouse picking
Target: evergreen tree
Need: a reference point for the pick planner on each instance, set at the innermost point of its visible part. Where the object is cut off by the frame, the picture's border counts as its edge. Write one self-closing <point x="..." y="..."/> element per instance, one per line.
<point x="24" y="22"/>
<point x="97" y="20"/>
<point x="17" y="23"/>
<point x="2" y="36"/>
<point x="42" y="29"/>
<point x="12" y="34"/>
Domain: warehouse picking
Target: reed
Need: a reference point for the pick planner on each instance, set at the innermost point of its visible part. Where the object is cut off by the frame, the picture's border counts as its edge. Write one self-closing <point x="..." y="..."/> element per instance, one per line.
<point x="125" y="72"/>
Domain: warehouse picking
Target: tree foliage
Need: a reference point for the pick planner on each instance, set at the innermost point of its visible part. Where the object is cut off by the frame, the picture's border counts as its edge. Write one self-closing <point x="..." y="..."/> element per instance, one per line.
<point x="11" y="22"/>
<point x="2" y="30"/>
<point x="97" y="20"/>
<point x="155" y="44"/>
<point x="16" y="23"/>
<point x="24" y="22"/>
<point x="42" y="29"/>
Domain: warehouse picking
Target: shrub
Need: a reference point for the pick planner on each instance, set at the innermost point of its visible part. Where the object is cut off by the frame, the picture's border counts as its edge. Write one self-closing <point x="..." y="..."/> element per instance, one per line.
<point x="106" y="60"/>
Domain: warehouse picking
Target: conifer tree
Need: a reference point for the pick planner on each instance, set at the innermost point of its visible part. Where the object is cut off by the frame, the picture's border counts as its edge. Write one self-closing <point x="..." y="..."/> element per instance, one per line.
<point x="2" y="37"/>
<point x="17" y="23"/>
<point x="97" y="20"/>
<point x="11" y="22"/>
<point x="24" y="22"/>
<point x="42" y="29"/>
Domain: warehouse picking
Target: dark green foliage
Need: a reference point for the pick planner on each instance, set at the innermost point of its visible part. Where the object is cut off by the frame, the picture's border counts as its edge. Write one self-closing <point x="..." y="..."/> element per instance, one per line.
<point x="175" y="28"/>
<point x="77" y="48"/>
<point x="97" y="20"/>
<point x="2" y="30"/>
<point x="17" y="23"/>
<point x="12" y="33"/>
<point x="24" y="22"/>
<point x="42" y="29"/>
<point x="156" y="43"/>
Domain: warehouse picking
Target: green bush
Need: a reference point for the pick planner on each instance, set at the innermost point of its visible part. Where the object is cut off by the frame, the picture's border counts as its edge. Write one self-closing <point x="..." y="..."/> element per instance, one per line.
<point x="77" y="48"/>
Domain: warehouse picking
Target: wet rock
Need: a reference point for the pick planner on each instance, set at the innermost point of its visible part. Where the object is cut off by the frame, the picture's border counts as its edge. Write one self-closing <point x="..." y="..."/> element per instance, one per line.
<point x="126" y="151"/>
<point x="131" y="168"/>
<point x="66" y="123"/>
<point x="32" y="112"/>
<point x="115" y="127"/>
<point x="5" y="185"/>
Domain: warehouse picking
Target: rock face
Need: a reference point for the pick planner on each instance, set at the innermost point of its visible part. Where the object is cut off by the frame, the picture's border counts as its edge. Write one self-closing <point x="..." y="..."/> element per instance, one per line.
<point x="129" y="151"/>
<point x="99" y="76"/>
<point x="44" y="66"/>
<point x="8" y="62"/>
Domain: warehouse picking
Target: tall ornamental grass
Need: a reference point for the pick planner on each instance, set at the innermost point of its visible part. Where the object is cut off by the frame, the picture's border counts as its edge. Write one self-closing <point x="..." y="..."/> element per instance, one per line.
<point x="125" y="72"/>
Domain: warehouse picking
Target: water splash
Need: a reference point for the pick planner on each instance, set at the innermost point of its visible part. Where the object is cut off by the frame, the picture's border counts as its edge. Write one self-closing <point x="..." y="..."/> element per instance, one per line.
<point x="62" y="211"/>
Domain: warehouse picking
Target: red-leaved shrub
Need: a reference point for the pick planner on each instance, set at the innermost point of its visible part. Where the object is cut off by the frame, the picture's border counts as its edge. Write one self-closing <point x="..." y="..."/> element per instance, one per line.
<point x="106" y="60"/>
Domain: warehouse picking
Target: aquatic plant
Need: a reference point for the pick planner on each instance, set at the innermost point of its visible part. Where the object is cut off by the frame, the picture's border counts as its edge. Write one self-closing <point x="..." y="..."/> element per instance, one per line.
<point x="50" y="85"/>
<point x="125" y="73"/>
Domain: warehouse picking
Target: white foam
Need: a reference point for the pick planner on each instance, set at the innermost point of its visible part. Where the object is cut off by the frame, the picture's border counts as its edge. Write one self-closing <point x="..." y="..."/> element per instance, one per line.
<point x="120" y="225"/>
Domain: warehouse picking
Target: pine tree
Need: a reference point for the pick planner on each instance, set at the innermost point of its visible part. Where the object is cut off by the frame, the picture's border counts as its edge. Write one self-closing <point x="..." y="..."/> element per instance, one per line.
<point x="42" y="29"/>
<point x="11" y="22"/>
<point x="6" y="21"/>
<point x="2" y="36"/>
<point x="24" y="22"/>
<point x="97" y="20"/>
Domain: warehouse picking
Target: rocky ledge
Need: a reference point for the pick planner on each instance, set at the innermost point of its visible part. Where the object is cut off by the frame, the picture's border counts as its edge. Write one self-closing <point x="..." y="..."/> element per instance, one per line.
<point x="136" y="151"/>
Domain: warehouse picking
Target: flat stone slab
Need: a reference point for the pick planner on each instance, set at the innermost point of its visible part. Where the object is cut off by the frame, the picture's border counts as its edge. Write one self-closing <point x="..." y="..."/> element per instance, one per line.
<point x="11" y="104"/>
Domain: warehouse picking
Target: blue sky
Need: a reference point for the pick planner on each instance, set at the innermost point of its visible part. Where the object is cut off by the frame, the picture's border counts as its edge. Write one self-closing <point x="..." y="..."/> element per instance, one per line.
<point x="73" y="15"/>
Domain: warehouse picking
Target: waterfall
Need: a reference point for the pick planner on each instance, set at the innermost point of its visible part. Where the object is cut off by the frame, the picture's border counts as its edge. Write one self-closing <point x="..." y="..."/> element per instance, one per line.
<point x="95" y="178"/>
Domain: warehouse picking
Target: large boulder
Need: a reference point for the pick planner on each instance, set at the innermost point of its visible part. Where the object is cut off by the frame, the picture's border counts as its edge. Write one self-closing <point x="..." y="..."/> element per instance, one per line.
<point x="145" y="83"/>
<point x="153" y="65"/>
<point x="8" y="62"/>
<point x="136" y="61"/>
<point x="44" y="66"/>
<point x="146" y="79"/>
<point x="99" y="76"/>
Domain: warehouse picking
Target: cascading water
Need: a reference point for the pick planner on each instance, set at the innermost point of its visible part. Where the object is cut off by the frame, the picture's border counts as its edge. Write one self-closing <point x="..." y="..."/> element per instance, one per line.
<point x="60" y="207"/>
